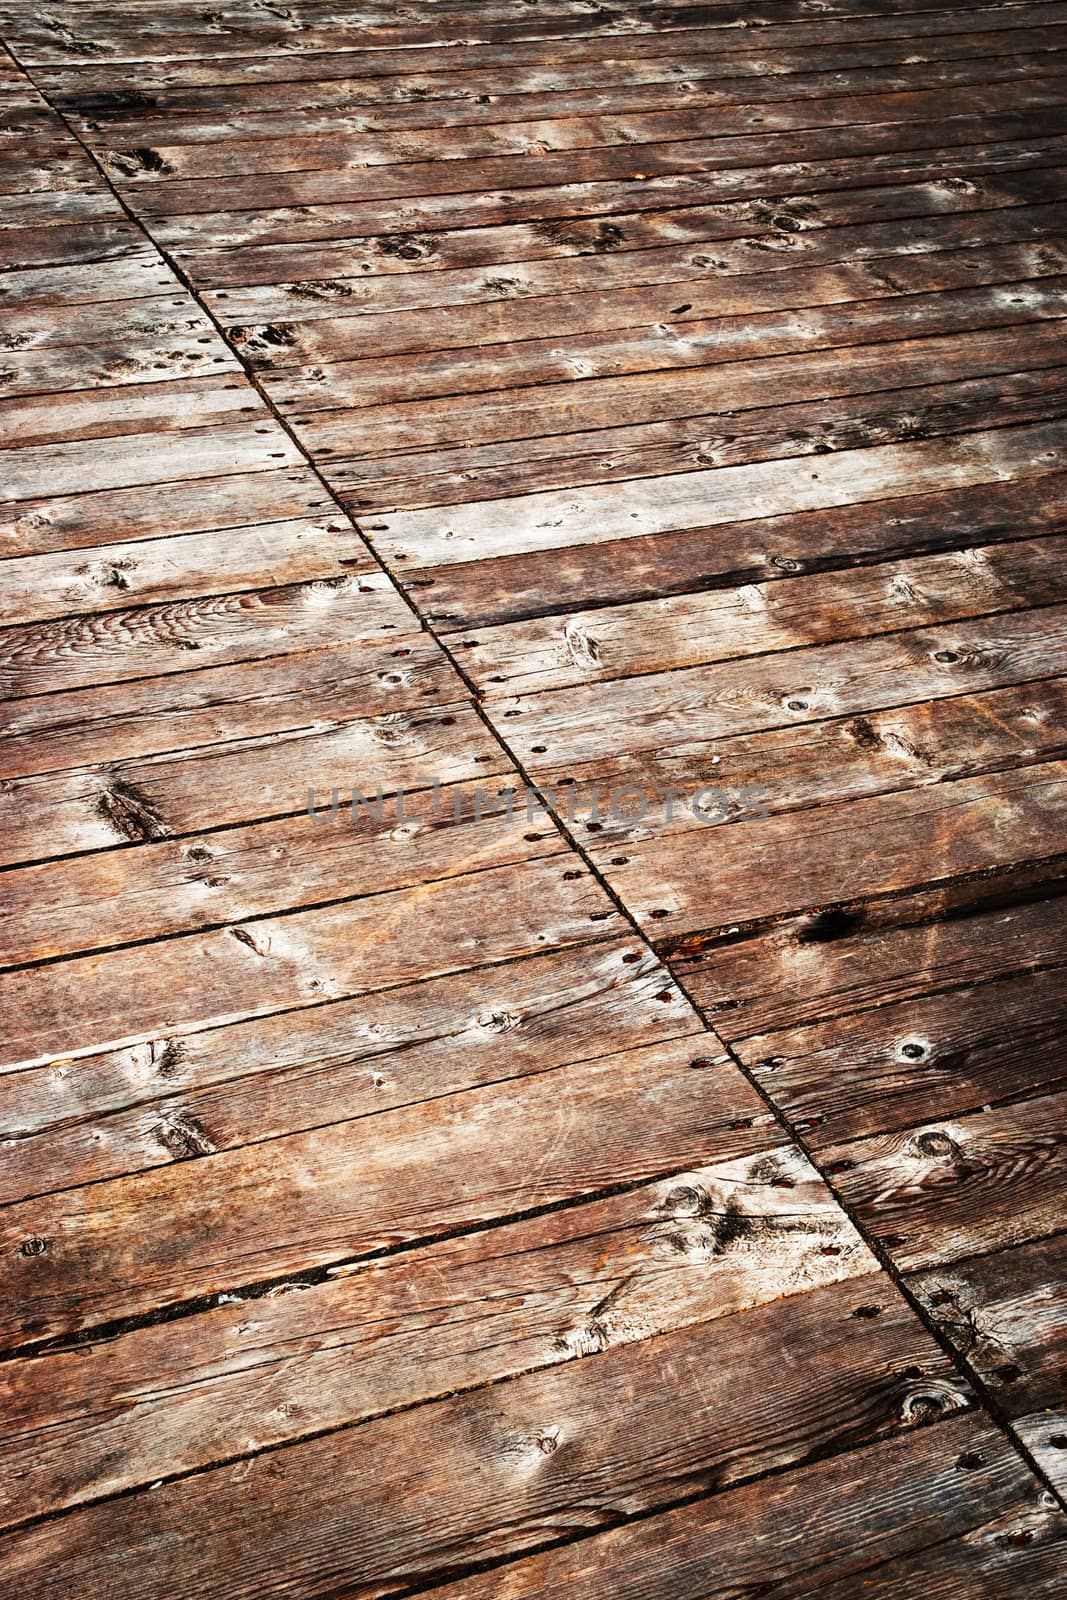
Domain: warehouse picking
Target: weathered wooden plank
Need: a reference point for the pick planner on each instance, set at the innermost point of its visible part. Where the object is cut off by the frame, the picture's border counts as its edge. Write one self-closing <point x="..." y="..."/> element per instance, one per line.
<point x="717" y="879"/>
<point x="709" y="404"/>
<point x="134" y="277"/>
<point x="724" y="781"/>
<point x="507" y="588"/>
<point x="59" y="210"/>
<point x="119" y="1111"/>
<point x="196" y="980"/>
<point x="384" y="35"/>
<point x="536" y="172"/>
<point x="415" y="101"/>
<point x="375" y="293"/>
<point x="197" y="635"/>
<point x="359" y="57"/>
<point x="174" y="355"/>
<point x="555" y="730"/>
<point x="959" y="1186"/>
<point x="211" y="880"/>
<point x="706" y="499"/>
<point x="529" y="1295"/>
<point x="949" y="1510"/>
<point x="185" y="505"/>
<point x="506" y="469"/>
<point x="46" y="165"/>
<point x="301" y="222"/>
<point x="136" y="459"/>
<point x="764" y="228"/>
<point x="357" y="1187"/>
<point x="40" y="246"/>
<point x="723" y="624"/>
<point x="163" y="405"/>
<point x="152" y="316"/>
<point x="151" y="339"/>
<point x="155" y="571"/>
<point x="300" y="148"/>
<point x="803" y="969"/>
<point x="555" y="275"/>
<point x="745" y="312"/>
<point x="579" y="1446"/>
<point x="1006" y="1314"/>
<point x="296" y="743"/>
<point x="421" y="101"/>
<point x="942" y="1055"/>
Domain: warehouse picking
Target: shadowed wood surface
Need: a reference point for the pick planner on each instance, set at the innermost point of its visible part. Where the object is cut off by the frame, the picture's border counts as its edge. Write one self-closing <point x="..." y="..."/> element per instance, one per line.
<point x="534" y="643"/>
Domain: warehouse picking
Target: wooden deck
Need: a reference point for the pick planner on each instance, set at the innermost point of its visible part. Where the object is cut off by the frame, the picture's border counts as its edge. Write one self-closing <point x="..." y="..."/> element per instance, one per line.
<point x="624" y="1157"/>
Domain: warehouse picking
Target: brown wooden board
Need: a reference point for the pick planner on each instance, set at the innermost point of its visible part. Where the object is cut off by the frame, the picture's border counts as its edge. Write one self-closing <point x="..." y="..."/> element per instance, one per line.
<point x="562" y="1286"/>
<point x="401" y="406"/>
<point x="579" y="1446"/>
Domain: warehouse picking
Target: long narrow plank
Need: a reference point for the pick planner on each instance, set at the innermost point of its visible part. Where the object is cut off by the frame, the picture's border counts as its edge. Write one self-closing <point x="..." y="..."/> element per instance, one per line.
<point x="354" y="337"/>
<point x="403" y="481"/>
<point x="426" y="180"/>
<point x="349" y="947"/>
<point x="1006" y="1315"/>
<point x="288" y="671"/>
<point x="561" y="1287"/>
<point x="718" y="879"/>
<point x="142" y="459"/>
<point x="706" y="499"/>
<point x="375" y="293"/>
<point x="400" y="104"/>
<point x="199" y="635"/>
<point x="555" y="207"/>
<point x="807" y="968"/>
<point x="164" y="404"/>
<point x="209" y="781"/>
<point x="211" y="880"/>
<point x="942" y="1055"/>
<point x="299" y="149"/>
<point x="157" y="571"/>
<point x="134" y="277"/>
<point x="556" y="730"/>
<point x="764" y="228"/>
<point x="385" y="35"/>
<point x="948" y="1510"/>
<point x="168" y="1099"/>
<point x="578" y="1446"/>
<point x="93" y="97"/>
<point x="726" y="623"/>
<point x="508" y="588"/>
<point x="184" y="505"/>
<point x="856" y="24"/>
<point x="122" y="1248"/>
<point x="663" y="793"/>
<point x="679" y="391"/>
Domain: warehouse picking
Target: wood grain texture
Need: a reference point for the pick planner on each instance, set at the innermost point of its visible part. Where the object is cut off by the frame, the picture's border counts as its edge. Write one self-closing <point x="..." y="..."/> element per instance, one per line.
<point x="403" y="405"/>
<point x="355" y="1188"/>
<point x="579" y="1446"/>
<point x="1006" y="1314"/>
<point x="560" y="1287"/>
<point x="946" y="1506"/>
<point x="109" y="1113"/>
<point x="961" y="1186"/>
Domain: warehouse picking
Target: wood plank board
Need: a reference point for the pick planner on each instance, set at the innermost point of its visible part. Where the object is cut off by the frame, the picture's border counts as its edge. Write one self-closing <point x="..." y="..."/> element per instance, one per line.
<point x="420" y="1171"/>
<point x="615" y="1447"/>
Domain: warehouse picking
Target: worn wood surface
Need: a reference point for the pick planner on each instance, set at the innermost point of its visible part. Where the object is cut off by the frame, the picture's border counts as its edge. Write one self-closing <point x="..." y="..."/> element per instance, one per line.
<point x="645" y="1188"/>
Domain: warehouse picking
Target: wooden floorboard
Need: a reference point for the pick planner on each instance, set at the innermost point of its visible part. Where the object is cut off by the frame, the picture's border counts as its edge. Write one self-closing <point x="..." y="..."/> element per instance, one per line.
<point x="534" y="644"/>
